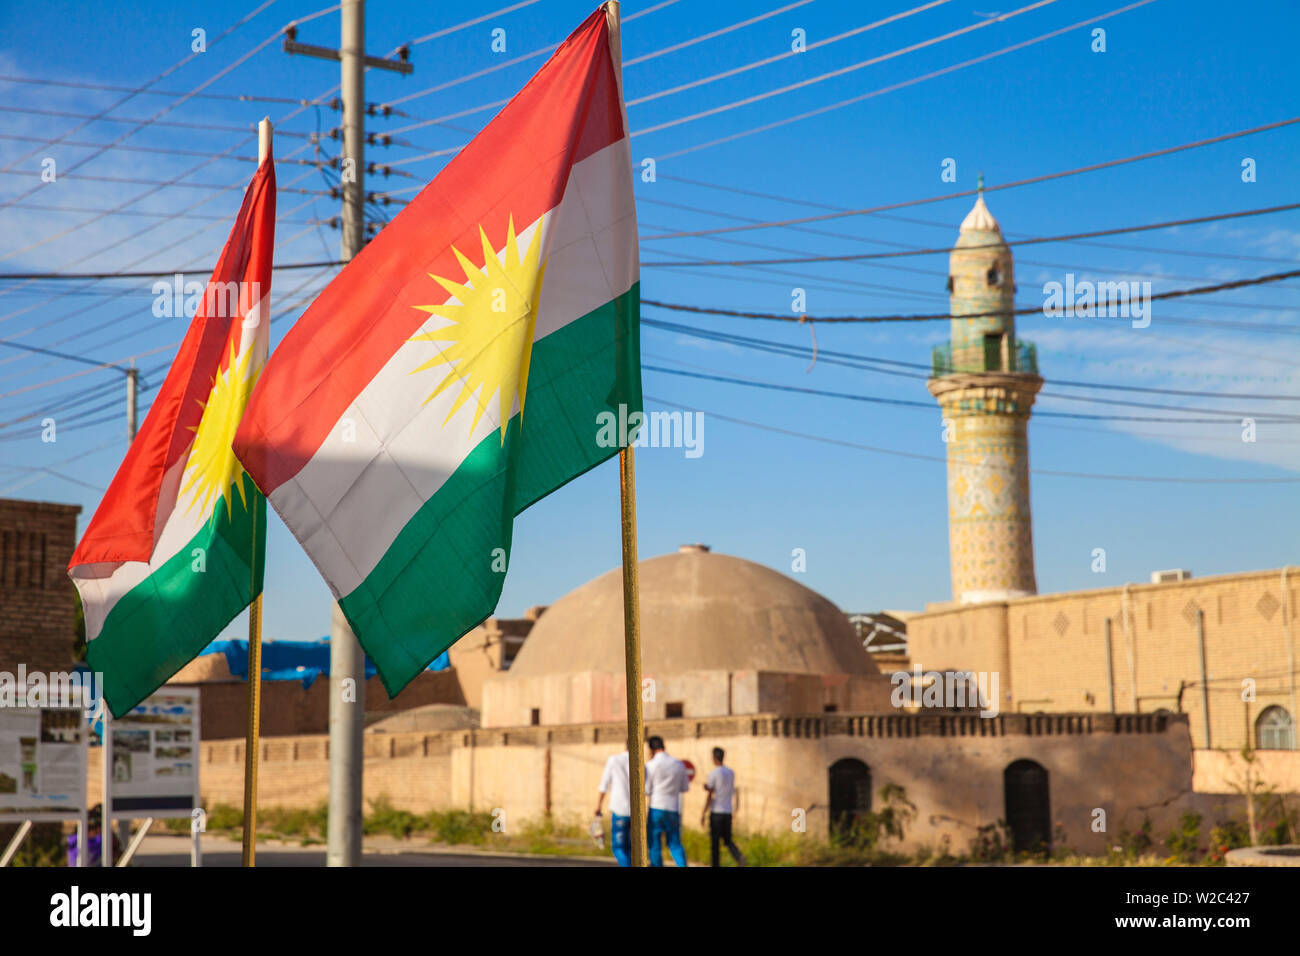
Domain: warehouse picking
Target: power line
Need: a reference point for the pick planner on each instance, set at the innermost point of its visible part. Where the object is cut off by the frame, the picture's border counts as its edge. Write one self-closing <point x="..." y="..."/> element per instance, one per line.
<point x="802" y="318"/>
<point x="446" y="31"/>
<point x="43" y="276"/>
<point x="807" y="49"/>
<point x="930" y="406"/>
<point x="966" y="193"/>
<point x="720" y="32"/>
<point x="133" y="121"/>
<point x="894" y="266"/>
<point x="1037" y="240"/>
<point x="135" y="236"/>
<point x="800" y="351"/>
<point x="898" y="86"/>
<point x="759" y="97"/>
<point x="165" y="110"/>
<point x="161" y="76"/>
<point x="140" y="91"/>
<point x="934" y="224"/>
<point x="1173" y="479"/>
<point x="202" y="259"/>
<point x="443" y="120"/>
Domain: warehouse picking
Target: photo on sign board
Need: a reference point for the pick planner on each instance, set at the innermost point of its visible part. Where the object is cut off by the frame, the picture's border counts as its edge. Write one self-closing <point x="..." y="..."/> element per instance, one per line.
<point x="121" y="767"/>
<point x="60" y="726"/>
<point x="136" y="741"/>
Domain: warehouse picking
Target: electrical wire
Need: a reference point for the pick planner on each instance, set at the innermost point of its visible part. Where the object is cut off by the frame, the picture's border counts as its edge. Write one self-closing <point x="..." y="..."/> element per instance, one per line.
<point x="898" y="86"/>
<point x="1171" y="479"/>
<point x="967" y="193"/>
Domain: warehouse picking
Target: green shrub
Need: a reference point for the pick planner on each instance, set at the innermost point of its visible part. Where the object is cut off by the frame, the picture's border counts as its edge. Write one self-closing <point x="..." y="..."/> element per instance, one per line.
<point x="225" y="817"/>
<point x="1184" y="841"/>
<point x="45" y="845"/>
<point x="300" y="823"/>
<point x="386" y="818"/>
<point x="868" y="830"/>
<point x="1227" y="836"/>
<point x="1133" y="844"/>
<point x="991" y="843"/>
<point x="458" y="826"/>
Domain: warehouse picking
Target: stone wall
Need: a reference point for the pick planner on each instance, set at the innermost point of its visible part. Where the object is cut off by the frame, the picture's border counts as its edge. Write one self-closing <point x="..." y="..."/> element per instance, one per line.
<point x="951" y="767"/>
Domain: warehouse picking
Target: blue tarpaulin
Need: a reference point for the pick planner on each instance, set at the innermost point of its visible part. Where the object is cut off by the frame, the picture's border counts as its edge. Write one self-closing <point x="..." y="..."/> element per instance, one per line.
<point x="292" y="660"/>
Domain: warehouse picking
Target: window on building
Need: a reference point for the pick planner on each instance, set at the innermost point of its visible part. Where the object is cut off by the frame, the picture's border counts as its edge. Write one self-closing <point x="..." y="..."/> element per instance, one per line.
<point x="993" y="276"/>
<point x="1275" y="730"/>
<point x="673" y="708"/>
<point x="536" y="717"/>
<point x="949" y="283"/>
<point x="830" y="708"/>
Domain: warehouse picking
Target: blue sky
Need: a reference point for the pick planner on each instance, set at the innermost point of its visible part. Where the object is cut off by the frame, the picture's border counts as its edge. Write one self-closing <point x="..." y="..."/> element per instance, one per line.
<point x="873" y="525"/>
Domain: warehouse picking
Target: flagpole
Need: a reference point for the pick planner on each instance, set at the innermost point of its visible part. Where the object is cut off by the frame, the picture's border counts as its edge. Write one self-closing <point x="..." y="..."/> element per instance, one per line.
<point x="631" y="598"/>
<point x="251" y="744"/>
<point x="632" y="646"/>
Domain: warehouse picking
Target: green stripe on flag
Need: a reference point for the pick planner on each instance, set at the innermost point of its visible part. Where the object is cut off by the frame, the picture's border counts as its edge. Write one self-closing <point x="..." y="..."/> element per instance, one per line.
<point x="163" y="623"/>
<point x="436" y="580"/>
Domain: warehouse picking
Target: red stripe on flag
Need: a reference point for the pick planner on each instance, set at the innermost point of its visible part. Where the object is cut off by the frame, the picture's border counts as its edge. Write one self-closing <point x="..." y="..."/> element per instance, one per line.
<point x="516" y="167"/>
<point x="135" y="507"/>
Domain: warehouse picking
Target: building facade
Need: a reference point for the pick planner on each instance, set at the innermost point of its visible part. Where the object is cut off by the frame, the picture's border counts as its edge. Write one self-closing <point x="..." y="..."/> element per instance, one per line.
<point x="1220" y="649"/>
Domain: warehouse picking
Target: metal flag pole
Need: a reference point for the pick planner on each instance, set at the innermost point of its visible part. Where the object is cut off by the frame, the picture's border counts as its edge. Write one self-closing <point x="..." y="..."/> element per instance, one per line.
<point x="251" y="744"/>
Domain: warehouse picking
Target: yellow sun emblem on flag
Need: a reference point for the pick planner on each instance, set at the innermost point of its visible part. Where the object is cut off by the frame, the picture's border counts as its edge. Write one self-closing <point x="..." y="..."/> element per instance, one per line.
<point x="212" y="466"/>
<point x="491" y="335"/>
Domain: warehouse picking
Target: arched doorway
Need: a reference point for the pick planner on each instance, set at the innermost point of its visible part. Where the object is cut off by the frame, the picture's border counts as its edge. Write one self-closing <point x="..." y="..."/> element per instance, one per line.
<point x="850" y="792"/>
<point x="1029" y="809"/>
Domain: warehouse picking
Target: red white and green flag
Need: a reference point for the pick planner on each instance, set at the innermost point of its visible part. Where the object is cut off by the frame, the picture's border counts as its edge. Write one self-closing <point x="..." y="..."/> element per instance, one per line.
<point x="453" y="373"/>
<point x="176" y="548"/>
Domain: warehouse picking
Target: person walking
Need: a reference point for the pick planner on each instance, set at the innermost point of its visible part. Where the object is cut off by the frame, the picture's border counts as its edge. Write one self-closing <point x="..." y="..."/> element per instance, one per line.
<point x="665" y="782"/>
<point x="721" y="803"/>
<point x="615" y="782"/>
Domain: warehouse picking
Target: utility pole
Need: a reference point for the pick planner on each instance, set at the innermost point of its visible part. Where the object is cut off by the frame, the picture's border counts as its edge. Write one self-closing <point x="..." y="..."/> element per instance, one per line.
<point x="347" y="661"/>
<point x="132" y="397"/>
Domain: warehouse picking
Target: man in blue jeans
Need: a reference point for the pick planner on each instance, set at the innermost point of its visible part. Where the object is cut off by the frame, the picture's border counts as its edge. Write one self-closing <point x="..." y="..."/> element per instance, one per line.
<point x="665" y="782"/>
<point x="614" y="781"/>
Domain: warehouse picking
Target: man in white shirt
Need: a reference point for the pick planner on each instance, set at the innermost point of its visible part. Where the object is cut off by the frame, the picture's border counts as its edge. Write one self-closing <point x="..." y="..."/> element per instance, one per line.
<point x="665" y="782"/>
<point x="721" y="803"/>
<point x="615" y="782"/>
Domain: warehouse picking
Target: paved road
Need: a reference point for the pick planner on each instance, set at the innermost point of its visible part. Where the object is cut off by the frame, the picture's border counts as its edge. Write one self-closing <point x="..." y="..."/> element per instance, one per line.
<point x="168" y="850"/>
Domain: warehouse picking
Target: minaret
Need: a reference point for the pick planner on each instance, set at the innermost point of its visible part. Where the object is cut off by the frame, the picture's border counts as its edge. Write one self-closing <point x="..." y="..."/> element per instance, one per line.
<point x="985" y="382"/>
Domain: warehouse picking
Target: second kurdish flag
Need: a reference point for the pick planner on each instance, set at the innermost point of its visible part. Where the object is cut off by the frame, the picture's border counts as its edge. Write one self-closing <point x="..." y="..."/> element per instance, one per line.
<point x="453" y="373"/>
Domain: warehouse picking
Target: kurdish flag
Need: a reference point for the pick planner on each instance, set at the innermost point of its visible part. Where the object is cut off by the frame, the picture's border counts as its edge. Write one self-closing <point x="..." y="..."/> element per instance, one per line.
<point x="176" y="548"/>
<point x="452" y="373"/>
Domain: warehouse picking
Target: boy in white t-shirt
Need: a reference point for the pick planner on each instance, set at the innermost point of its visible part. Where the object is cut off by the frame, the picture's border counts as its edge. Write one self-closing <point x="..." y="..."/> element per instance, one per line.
<point x="722" y="802"/>
<point x="616" y="782"/>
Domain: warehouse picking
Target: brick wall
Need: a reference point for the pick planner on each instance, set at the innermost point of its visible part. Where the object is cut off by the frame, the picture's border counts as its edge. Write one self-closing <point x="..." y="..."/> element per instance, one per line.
<point x="37" y="600"/>
<point x="288" y="708"/>
<point x="1055" y="649"/>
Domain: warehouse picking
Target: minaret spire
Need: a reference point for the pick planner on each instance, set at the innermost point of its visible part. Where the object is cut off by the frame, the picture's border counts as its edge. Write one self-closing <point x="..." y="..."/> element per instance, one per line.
<point x="986" y="380"/>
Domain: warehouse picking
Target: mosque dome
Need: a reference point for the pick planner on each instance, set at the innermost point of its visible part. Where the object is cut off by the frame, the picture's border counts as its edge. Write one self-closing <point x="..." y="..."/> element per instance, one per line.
<point x="979" y="219"/>
<point x="699" y="611"/>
